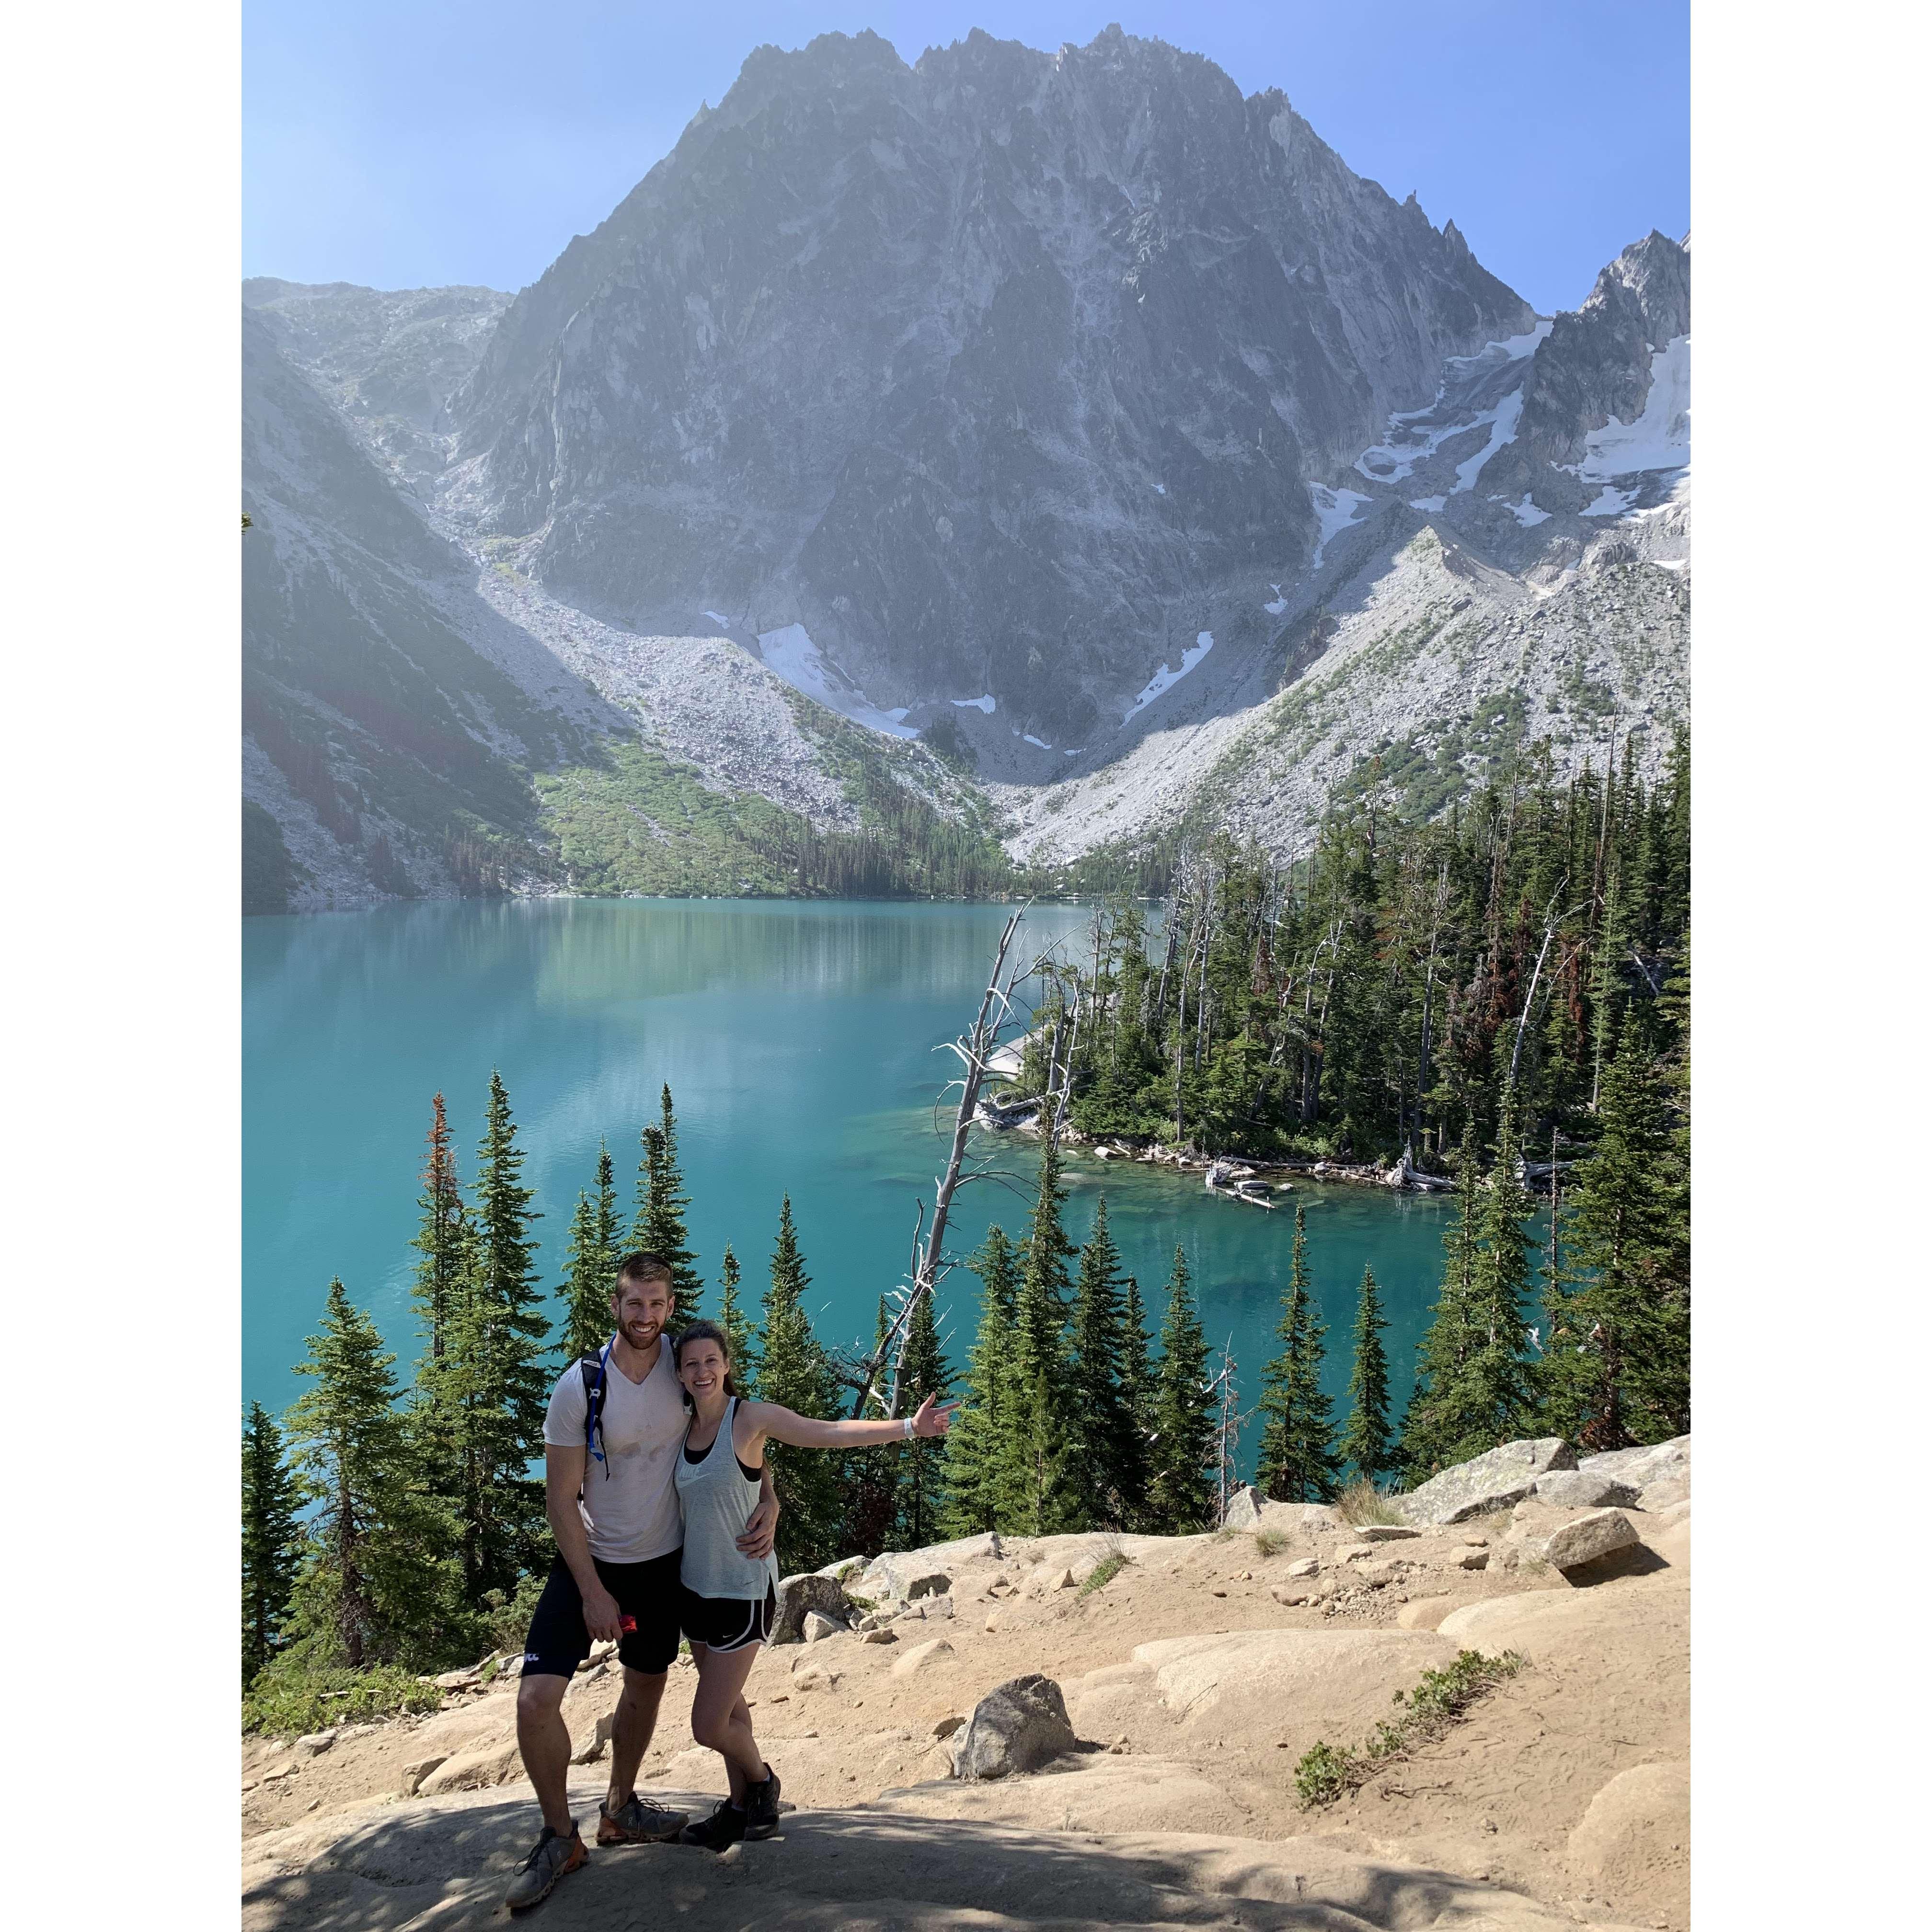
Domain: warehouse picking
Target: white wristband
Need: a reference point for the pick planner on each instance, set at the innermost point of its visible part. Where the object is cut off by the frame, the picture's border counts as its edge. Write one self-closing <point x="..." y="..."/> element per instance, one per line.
<point x="909" y="1422"/>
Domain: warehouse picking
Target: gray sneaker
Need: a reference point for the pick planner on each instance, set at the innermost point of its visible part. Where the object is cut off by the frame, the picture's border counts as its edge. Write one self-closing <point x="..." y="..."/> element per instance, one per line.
<point x="634" y="1823"/>
<point x="553" y="1857"/>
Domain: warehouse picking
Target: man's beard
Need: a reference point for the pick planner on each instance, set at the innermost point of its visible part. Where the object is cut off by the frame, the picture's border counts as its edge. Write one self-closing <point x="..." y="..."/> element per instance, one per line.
<point x="653" y="1330"/>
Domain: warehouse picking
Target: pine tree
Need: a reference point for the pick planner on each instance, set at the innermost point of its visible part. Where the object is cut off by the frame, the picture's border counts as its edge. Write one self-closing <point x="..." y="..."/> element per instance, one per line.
<point x="501" y="1385"/>
<point x="1042" y="1437"/>
<point x="270" y="1540"/>
<point x="1435" y="1420"/>
<point x="591" y="1276"/>
<point x="977" y="1458"/>
<point x="1616" y="1371"/>
<point x="923" y="1371"/>
<point x="373" y="1580"/>
<point x="1504" y="1402"/>
<point x="1109" y="1452"/>
<point x="740" y="1337"/>
<point x="660" y="1228"/>
<point x="441" y="1240"/>
<point x="586" y="1286"/>
<point x="794" y="1372"/>
<point x="1137" y="1389"/>
<point x="1184" y="1452"/>
<point x="1365" y="1442"/>
<point x="1297" y="1455"/>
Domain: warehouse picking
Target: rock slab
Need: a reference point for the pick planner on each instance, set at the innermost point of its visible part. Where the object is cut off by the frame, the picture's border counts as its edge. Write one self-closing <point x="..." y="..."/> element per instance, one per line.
<point x="1016" y="1727"/>
<point x="1504" y="1476"/>
<point x="1584" y="1488"/>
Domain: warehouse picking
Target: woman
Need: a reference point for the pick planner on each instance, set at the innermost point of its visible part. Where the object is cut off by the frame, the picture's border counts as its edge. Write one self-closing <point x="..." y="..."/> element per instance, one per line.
<point x="728" y="1598"/>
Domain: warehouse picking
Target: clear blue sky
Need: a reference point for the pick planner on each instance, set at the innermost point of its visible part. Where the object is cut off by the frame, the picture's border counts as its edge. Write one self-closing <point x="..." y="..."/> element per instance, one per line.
<point x="418" y="142"/>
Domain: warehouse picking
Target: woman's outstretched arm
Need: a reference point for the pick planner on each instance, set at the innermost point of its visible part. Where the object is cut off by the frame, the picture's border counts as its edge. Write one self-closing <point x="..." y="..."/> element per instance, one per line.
<point x="808" y="1431"/>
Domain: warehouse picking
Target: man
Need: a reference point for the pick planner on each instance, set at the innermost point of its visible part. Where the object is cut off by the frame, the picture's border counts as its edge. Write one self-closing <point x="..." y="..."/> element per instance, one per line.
<point x="610" y="1452"/>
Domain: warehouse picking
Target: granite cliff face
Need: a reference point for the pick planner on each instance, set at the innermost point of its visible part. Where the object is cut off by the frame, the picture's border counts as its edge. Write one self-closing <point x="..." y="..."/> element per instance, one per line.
<point x="1058" y="445"/>
<point x="998" y="373"/>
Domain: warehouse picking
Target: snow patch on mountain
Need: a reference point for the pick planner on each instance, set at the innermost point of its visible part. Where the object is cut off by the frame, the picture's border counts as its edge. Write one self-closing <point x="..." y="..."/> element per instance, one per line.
<point x="1336" y="509"/>
<point x="1659" y="439"/>
<point x="986" y="703"/>
<point x="1164" y="679"/>
<point x="790" y="652"/>
<point x="1502" y="421"/>
<point x="1525" y="513"/>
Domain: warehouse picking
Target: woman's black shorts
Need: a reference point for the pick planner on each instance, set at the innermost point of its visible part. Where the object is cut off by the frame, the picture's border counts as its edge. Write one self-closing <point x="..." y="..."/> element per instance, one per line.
<point x="727" y="1623"/>
<point x="560" y="1640"/>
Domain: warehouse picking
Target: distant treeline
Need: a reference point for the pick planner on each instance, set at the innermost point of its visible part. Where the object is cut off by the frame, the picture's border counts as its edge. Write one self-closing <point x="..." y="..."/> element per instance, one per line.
<point x="1382" y="991"/>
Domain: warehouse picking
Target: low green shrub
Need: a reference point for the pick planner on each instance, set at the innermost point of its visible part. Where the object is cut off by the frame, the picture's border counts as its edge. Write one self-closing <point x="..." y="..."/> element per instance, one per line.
<point x="1271" y="1542"/>
<point x="293" y="1696"/>
<point x="1102" y="1574"/>
<point x="1329" y="1771"/>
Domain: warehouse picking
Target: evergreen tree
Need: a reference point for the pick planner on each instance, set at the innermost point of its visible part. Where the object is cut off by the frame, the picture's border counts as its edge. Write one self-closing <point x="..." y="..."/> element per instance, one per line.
<point x="1137" y="1390"/>
<point x="794" y="1372"/>
<point x="441" y="1239"/>
<point x="591" y="1275"/>
<point x="1109" y="1450"/>
<point x="977" y="1459"/>
<point x="1365" y="1442"/>
<point x="869" y="1478"/>
<point x="1436" y="1419"/>
<point x="1499" y="1374"/>
<point x="923" y="1371"/>
<point x="740" y="1337"/>
<point x="662" y="1204"/>
<point x="586" y="1286"/>
<point x="373" y="1588"/>
<point x="1042" y="1435"/>
<point x="500" y="1385"/>
<point x="270" y="1540"/>
<point x="1616" y="1372"/>
<point x="1184" y="1457"/>
<point x="1298" y="1456"/>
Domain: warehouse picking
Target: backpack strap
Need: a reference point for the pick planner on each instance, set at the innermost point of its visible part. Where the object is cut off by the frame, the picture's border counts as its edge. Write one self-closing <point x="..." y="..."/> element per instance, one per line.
<point x="594" y="1369"/>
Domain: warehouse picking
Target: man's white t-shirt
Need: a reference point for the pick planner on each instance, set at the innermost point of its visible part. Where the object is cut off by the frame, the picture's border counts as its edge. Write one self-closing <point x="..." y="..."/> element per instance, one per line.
<point x="629" y="1502"/>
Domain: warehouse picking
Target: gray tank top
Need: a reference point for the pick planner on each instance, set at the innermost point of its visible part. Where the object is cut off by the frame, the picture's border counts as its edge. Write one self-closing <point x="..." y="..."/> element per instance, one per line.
<point x="717" y="1499"/>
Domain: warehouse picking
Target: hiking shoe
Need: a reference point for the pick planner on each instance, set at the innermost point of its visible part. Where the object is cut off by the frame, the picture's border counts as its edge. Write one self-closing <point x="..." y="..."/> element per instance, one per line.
<point x="761" y="1807"/>
<point x="553" y="1857"/>
<point x="718" y="1833"/>
<point x="634" y="1823"/>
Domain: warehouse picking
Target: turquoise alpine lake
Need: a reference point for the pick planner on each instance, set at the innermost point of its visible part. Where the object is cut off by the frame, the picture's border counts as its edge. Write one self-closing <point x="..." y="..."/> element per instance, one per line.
<point x="799" y="1041"/>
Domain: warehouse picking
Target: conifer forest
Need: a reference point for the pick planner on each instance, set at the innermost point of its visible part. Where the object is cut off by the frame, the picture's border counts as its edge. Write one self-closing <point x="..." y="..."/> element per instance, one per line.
<point x="1497" y="1001"/>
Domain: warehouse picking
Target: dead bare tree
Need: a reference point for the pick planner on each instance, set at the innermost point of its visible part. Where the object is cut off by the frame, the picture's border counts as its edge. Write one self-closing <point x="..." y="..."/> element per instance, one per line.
<point x="974" y="1048"/>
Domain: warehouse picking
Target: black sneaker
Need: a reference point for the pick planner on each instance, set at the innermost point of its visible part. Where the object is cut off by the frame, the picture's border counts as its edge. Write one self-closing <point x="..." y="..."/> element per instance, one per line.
<point x="761" y="1807"/>
<point x="718" y="1833"/>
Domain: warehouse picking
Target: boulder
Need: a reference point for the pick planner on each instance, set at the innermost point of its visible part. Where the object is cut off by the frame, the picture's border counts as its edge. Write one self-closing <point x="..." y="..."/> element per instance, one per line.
<point x="883" y="1634"/>
<point x="474" y="1770"/>
<point x="923" y="1655"/>
<point x="889" y="1578"/>
<point x="817" y="1627"/>
<point x="1665" y="1493"/>
<point x="415" y="1771"/>
<point x="1307" y="1566"/>
<point x="1386" y="1532"/>
<point x="1583" y="1488"/>
<point x="458" y="1680"/>
<point x="315" y="1743"/>
<point x="1045" y="1578"/>
<point x="1504" y="1476"/>
<point x="1244" y="1508"/>
<point x="1016" y="1727"/>
<point x="1472" y="1559"/>
<point x="1640" y="1468"/>
<point x="937" y="1610"/>
<point x="797" y="1595"/>
<point x="1586" y="1538"/>
<point x="592" y="1748"/>
<point x="846" y="1566"/>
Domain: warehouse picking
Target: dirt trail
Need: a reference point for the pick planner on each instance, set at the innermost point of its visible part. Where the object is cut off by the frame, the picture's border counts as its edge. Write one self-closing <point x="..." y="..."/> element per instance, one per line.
<point x="1559" y="1800"/>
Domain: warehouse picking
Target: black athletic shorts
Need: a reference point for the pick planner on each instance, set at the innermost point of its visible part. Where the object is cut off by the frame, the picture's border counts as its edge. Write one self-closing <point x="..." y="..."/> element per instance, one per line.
<point x="560" y="1640"/>
<point x="727" y="1623"/>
